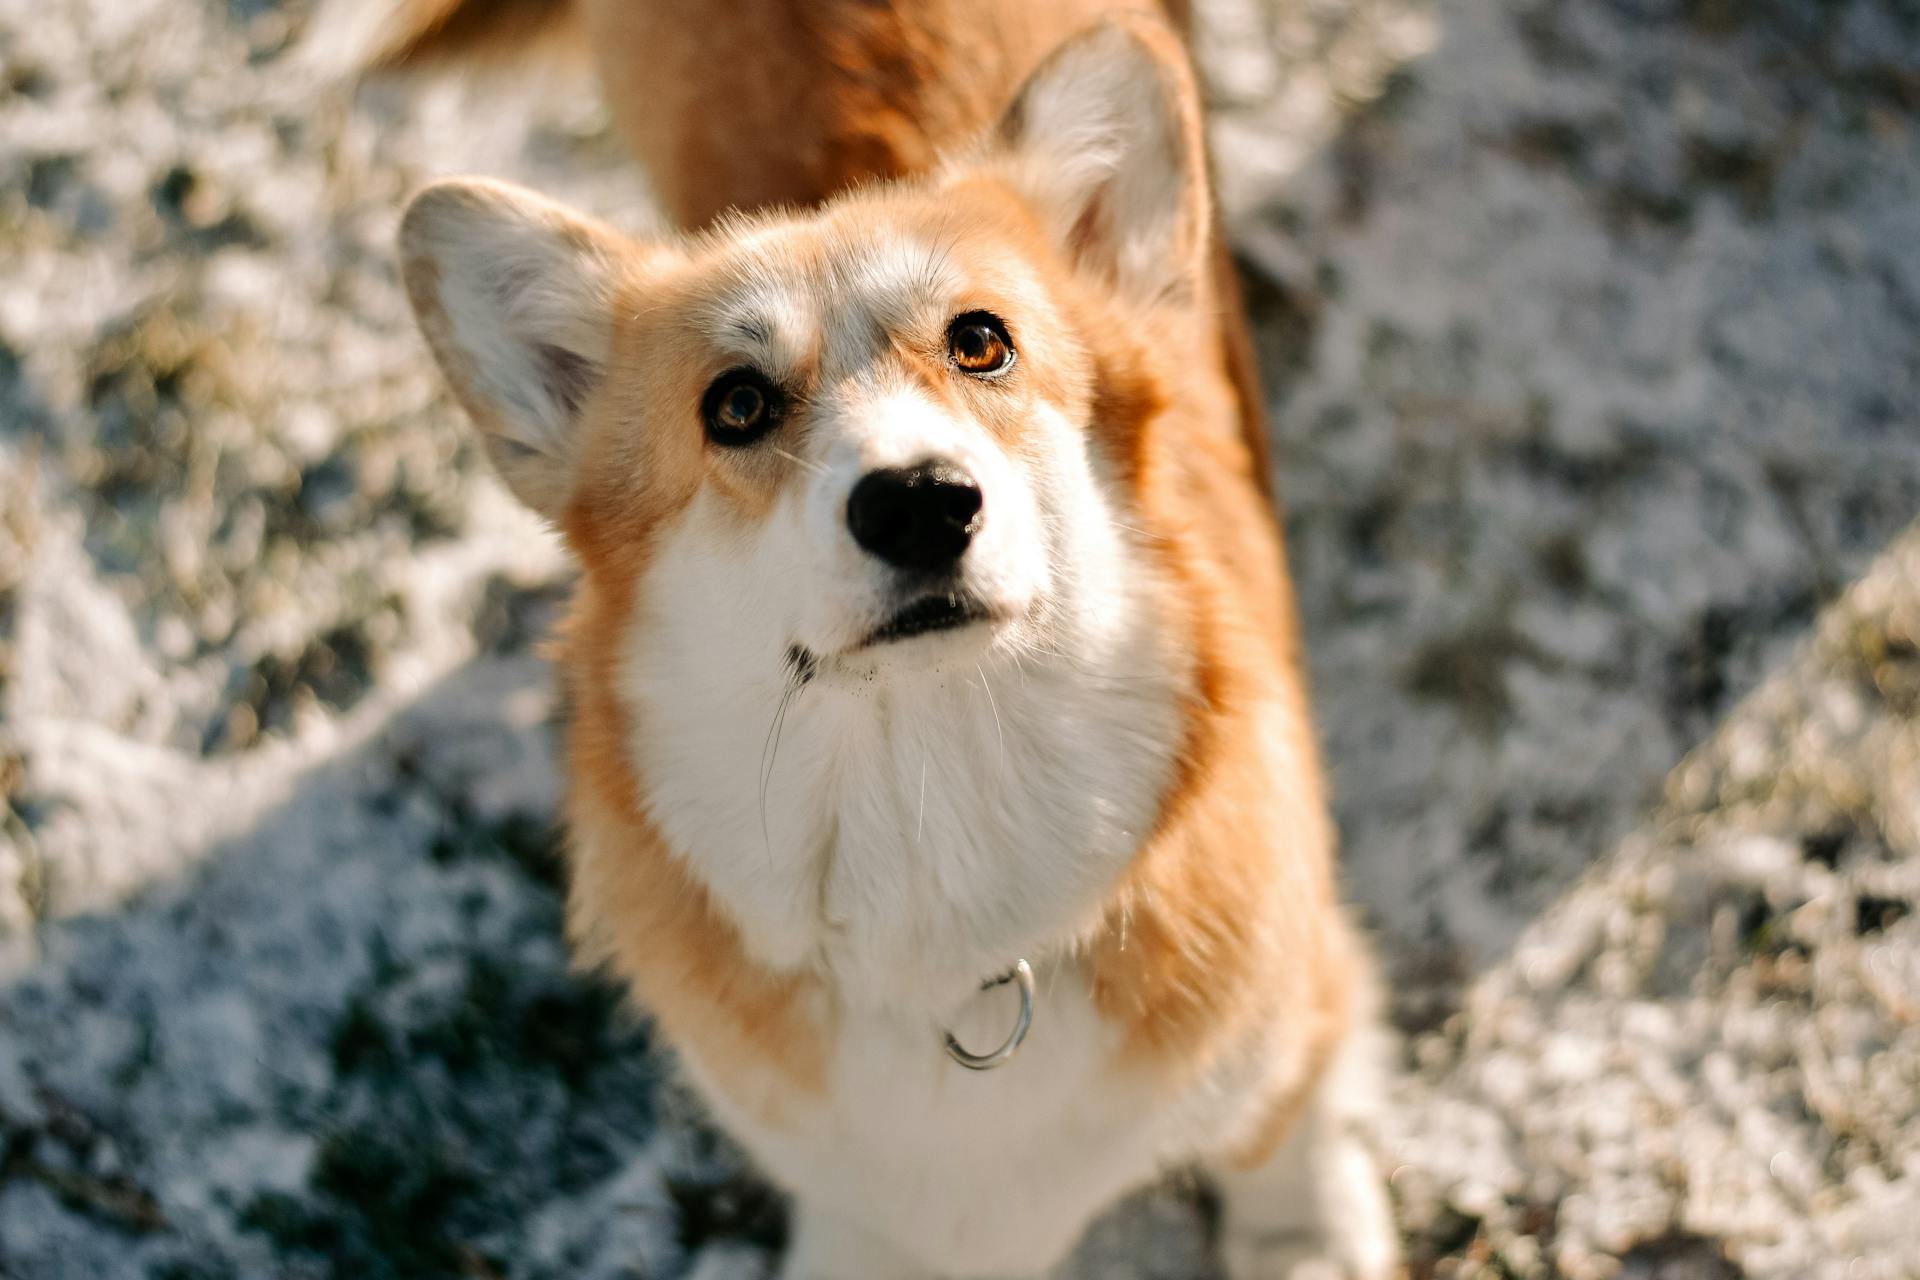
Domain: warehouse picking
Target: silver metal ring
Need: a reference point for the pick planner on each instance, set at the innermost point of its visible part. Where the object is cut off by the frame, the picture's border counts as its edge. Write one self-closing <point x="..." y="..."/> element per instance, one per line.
<point x="1022" y="974"/>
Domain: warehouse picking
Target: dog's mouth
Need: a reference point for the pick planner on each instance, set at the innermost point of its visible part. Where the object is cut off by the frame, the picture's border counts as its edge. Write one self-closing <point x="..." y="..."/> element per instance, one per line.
<point x="942" y="611"/>
<point x="945" y="612"/>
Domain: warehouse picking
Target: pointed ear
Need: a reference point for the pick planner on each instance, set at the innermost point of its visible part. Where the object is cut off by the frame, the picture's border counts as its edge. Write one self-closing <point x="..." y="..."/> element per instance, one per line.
<point x="1105" y="139"/>
<point x="515" y="295"/>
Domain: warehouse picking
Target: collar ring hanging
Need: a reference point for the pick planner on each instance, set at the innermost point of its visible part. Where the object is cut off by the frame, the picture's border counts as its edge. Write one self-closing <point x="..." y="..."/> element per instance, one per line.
<point x="1021" y="973"/>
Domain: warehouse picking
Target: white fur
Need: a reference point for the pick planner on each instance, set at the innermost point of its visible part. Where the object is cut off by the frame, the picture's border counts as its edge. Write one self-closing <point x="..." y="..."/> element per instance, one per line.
<point x="909" y="818"/>
<point x="925" y="825"/>
<point x="1317" y="1208"/>
<point x="932" y="806"/>
<point x="763" y="324"/>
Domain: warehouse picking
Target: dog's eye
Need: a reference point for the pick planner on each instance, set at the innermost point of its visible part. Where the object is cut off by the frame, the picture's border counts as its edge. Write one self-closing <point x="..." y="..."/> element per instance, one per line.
<point x="740" y="407"/>
<point x="978" y="343"/>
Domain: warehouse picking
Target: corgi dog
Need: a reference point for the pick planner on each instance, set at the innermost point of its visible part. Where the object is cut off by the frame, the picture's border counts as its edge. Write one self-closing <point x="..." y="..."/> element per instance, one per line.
<point x="942" y="777"/>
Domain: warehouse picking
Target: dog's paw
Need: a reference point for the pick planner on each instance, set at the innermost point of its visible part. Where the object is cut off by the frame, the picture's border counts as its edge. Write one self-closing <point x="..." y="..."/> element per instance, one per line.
<point x="828" y="1247"/>
<point x="1308" y="1255"/>
<point x="1301" y="1261"/>
<point x="1318" y="1211"/>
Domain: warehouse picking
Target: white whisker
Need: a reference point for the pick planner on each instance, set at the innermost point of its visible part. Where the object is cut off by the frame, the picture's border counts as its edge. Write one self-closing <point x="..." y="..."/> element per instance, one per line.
<point x="769" y="755"/>
<point x="1018" y="654"/>
<point x="995" y="708"/>
<point x="1039" y="650"/>
<point x="922" y="824"/>
<point x="1135" y="529"/>
<point x="798" y="461"/>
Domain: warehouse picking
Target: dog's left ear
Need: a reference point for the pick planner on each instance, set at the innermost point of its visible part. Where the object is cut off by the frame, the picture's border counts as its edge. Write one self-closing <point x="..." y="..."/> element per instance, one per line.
<point x="1105" y="141"/>
<point x="516" y="296"/>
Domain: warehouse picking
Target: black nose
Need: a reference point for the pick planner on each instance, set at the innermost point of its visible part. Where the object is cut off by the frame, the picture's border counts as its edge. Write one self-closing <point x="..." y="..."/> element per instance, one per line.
<point x="915" y="517"/>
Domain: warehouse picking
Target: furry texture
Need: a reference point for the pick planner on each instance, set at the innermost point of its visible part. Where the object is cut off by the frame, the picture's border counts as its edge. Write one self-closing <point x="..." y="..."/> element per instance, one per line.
<point x="736" y="105"/>
<point x="413" y="33"/>
<point x="513" y="291"/>
<point x="804" y="845"/>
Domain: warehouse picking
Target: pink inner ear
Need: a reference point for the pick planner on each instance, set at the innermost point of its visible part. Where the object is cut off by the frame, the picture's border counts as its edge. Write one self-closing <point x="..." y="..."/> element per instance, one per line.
<point x="1108" y="129"/>
<point x="1086" y="229"/>
<point x="566" y="375"/>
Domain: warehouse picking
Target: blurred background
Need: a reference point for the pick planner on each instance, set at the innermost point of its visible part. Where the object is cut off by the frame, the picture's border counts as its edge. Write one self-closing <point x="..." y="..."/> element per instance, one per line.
<point x="1591" y="330"/>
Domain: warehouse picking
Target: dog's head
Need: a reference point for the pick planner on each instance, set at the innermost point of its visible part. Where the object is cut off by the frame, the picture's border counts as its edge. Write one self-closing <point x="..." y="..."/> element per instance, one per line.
<point x="866" y="440"/>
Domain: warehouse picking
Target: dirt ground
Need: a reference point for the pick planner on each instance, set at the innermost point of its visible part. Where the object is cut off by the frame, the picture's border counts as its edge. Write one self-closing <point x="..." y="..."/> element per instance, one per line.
<point x="1592" y="335"/>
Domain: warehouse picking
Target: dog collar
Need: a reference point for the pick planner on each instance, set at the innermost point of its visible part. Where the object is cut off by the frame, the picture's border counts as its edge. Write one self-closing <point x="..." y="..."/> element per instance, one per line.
<point x="1021" y="973"/>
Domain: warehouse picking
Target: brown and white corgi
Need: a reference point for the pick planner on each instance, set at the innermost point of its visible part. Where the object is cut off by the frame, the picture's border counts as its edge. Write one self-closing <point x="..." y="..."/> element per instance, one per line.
<point x="932" y="627"/>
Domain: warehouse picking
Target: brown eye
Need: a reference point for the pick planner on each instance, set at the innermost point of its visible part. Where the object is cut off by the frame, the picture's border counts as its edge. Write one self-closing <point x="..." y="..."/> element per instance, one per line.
<point x="740" y="407"/>
<point x="978" y="344"/>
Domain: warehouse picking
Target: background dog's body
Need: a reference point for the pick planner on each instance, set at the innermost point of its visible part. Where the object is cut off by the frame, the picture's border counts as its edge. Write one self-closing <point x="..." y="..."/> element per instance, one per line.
<point x="1140" y="812"/>
<point x="741" y="104"/>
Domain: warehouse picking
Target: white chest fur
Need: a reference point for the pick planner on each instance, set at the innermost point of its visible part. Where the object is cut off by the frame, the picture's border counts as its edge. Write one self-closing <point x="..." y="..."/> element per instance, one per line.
<point x="904" y="834"/>
<point x="995" y="1173"/>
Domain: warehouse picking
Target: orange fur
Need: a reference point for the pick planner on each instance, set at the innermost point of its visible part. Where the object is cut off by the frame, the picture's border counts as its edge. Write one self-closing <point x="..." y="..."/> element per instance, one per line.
<point x="744" y="104"/>
<point x="1214" y="928"/>
<point x="426" y="32"/>
<point x="1224" y="933"/>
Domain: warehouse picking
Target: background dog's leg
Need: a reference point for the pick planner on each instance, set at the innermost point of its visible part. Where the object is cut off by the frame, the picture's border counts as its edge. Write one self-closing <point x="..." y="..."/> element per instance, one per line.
<point x="1316" y="1209"/>
<point x="828" y="1247"/>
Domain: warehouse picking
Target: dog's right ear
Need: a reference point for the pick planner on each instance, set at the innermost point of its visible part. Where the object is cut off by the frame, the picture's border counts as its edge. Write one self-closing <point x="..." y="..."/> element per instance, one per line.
<point x="1106" y="144"/>
<point x="516" y="296"/>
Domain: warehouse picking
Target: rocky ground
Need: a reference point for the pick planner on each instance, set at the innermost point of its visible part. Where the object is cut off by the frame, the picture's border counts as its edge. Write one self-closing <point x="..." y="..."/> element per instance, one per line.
<point x="1592" y="330"/>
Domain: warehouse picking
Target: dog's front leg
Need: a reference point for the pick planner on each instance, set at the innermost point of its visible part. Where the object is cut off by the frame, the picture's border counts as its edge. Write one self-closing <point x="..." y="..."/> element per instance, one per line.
<point x="827" y="1247"/>
<point x="1316" y="1208"/>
